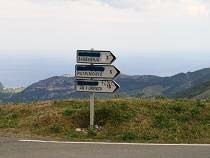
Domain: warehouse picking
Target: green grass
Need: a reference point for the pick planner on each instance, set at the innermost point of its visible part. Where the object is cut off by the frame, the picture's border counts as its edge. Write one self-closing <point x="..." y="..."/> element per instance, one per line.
<point x="122" y="120"/>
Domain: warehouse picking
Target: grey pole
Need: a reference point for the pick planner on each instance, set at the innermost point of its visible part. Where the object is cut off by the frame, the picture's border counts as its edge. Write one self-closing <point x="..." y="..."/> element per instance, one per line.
<point x="92" y="97"/>
<point x="92" y="112"/>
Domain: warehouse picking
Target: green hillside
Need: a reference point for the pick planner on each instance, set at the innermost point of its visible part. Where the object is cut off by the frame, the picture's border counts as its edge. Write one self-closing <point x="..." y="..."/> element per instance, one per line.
<point x="200" y="91"/>
<point x="136" y="120"/>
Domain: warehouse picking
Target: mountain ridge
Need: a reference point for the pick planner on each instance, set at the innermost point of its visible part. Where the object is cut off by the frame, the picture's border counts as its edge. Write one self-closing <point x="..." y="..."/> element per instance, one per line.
<point x="1" y="87"/>
<point x="143" y="86"/>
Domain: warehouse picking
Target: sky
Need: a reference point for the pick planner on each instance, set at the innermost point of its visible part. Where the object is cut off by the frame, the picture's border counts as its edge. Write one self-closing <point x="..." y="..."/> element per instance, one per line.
<point x="39" y="38"/>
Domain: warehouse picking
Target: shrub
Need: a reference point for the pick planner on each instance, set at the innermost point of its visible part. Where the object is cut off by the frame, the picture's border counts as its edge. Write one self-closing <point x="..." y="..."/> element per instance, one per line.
<point x="56" y="128"/>
<point x="102" y="116"/>
<point x="177" y="108"/>
<point x="129" y="136"/>
<point x="183" y="117"/>
<point x="81" y="118"/>
<point x="92" y="133"/>
<point x="121" y="113"/>
<point x="148" y="136"/>
<point x="68" y="112"/>
<point x="72" y="134"/>
<point x="200" y="104"/>
<point x="195" y="111"/>
<point x="161" y="121"/>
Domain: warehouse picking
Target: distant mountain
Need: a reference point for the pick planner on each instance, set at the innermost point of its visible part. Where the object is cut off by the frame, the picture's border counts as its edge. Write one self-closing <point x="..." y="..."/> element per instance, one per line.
<point x="150" y="86"/>
<point x="144" y="86"/>
<point x="1" y="87"/>
<point x="4" y="96"/>
<point x="200" y="91"/>
<point x="55" y="87"/>
<point x="58" y="87"/>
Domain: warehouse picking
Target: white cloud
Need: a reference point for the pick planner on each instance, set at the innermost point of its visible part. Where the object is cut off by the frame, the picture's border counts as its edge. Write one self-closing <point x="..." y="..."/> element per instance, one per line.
<point x="190" y="7"/>
<point x="134" y="25"/>
<point x="199" y="9"/>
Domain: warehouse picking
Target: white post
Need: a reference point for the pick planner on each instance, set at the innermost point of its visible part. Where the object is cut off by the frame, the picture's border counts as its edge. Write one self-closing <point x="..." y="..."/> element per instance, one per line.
<point x="92" y="97"/>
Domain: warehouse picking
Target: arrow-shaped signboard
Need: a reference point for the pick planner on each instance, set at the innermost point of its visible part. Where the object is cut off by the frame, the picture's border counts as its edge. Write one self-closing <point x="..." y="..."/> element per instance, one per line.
<point x="96" y="71"/>
<point x="95" y="57"/>
<point x="99" y="77"/>
<point x="97" y="86"/>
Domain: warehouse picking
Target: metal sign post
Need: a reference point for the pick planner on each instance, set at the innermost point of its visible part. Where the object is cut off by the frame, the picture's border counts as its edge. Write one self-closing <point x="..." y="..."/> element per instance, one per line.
<point x="95" y="77"/>
<point x="92" y="98"/>
<point x="92" y="111"/>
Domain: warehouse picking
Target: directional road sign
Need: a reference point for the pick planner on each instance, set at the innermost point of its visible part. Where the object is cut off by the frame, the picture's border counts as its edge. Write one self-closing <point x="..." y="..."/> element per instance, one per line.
<point x="96" y="71"/>
<point x="98" y="86"/>
<point x="95" y="57"/>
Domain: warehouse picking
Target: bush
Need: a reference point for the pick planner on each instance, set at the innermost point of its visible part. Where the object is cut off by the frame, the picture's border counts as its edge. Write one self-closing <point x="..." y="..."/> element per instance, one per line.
<point x="71" y="134"/>
<point x="129" y="136"/>
<point x="177" y="108"/>
<point x="200" y="104"/>
<point x="68" y="112"/>
<point x="182" y="118"/>
<point x="161" y="121"/>
<point x="121" y="113"/>
<point x="148" y="136"/>
<point x="81" y="118"/>
<point x="195" y="112"/>
<point x="92" y="133"/>
<point x="56" y="128"/>
<point x="102" y="116"/>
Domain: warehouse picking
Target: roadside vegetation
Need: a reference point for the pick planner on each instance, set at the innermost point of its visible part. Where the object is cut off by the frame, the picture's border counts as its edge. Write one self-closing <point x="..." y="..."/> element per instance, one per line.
<point x="120" y="120"/>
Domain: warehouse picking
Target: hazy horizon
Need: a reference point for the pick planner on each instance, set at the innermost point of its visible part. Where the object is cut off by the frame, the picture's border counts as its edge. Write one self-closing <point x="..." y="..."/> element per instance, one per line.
<point x="24" y="70"/>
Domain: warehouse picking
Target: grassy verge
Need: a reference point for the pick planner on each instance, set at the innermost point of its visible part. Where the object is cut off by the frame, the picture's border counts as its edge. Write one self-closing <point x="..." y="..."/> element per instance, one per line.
<point x="152" y="121"/>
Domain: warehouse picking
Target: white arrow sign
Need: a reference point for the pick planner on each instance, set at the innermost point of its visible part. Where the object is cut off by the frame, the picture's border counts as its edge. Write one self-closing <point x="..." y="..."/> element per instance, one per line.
<point x="95" y="57"/>
<point x="96" y="71"/>
<point x="98" y="86"/>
